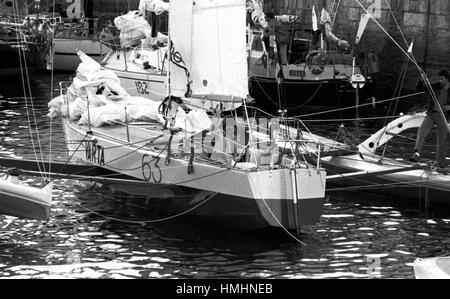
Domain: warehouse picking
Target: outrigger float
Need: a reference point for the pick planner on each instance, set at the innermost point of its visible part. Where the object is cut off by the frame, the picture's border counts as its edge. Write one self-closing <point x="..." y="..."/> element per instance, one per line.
<point x="362" y="168"/>
<point x="20" y="200"/>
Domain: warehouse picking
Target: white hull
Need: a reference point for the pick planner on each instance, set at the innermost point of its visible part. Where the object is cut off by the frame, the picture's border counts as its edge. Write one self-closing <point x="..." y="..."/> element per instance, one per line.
<point x="432" y="268"/>
<point x="137" y="81"/>
<point x="263" y="198"/>
<point x="19" y="200"/>
<point x="65" y="57"/>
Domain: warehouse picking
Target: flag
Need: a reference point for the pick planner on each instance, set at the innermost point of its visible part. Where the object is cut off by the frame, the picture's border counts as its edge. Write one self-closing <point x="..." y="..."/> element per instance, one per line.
<point x="374" y="8"/>
<point x="362" y="27"/>
<point x="315" y="25"/>
<point x="411" y="47"/>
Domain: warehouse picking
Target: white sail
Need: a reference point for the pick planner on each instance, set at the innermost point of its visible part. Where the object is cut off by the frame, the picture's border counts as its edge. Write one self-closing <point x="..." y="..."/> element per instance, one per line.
<point x="209" y="40"/>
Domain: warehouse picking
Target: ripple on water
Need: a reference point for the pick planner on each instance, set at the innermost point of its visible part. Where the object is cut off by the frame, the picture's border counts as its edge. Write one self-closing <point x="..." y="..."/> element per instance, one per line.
<point x="356" y="228"/>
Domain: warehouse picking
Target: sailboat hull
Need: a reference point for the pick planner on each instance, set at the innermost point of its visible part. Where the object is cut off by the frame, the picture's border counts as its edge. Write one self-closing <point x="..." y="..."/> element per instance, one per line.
<point x="13" y="205"/>
<point x="65" y="56"/>
<point x="298" y="94"/>
<point x="221" y="210"/>
<point x="22" y="201"/>
<point x="243" y="199"/>
<point x="134" y="78"/>
<point x="10" y="63"/>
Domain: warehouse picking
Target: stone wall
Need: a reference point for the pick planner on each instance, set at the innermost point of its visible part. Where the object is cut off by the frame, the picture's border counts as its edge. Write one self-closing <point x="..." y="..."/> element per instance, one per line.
<point x="426" y="22"/>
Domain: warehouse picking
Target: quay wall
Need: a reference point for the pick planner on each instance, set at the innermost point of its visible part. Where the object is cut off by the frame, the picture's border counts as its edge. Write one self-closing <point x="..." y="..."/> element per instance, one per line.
<point x="426" y="22"/>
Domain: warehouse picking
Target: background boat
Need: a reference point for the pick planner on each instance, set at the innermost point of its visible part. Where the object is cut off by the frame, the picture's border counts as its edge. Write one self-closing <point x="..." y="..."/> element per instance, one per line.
<point x="77" y="34"/>
<point x="24" y="44"/>
<point x="320" y="68"/>
<point x="236" y="181"/>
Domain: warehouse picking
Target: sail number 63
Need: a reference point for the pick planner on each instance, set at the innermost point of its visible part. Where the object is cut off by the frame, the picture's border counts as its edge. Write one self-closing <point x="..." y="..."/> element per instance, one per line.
<point x="150" y="169"/>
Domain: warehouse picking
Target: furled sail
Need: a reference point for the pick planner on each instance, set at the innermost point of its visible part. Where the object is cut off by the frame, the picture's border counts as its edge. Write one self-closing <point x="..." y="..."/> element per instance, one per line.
<point x="156" y="6"/>
<point x="208" y="50"/>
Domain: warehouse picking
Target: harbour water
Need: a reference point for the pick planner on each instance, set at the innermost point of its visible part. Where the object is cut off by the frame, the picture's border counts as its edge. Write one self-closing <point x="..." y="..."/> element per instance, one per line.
<point x="360" y="235"/>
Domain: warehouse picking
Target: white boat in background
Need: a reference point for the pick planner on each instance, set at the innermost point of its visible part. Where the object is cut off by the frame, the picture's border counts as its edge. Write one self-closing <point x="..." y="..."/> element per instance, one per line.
<point x="140" y="57"/>
<point x="432" y="268"/>
<point x="24" y="44"/>
<point x="23" y="201"/>
<point x="74" y="33"/>
<point x="142" y="72"/>
<point x="231" y="180"/>
<point x="66" y="43"/>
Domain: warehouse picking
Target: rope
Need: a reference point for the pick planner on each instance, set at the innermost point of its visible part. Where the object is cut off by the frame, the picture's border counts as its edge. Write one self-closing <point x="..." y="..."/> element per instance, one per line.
<point x="23" y="65"/>
<point x="363" y="105"/>
<point x="149" y="221"/>
<point x="412" y="58"/>
<point x="281" y="225"/>
<point x="398" y="89"/>
<point x="51" y="97"/>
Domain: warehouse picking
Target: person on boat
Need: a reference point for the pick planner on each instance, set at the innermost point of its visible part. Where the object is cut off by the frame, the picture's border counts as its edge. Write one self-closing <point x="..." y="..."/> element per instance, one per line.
<point x="281" y="28"/>
<point x="434" y="117"/>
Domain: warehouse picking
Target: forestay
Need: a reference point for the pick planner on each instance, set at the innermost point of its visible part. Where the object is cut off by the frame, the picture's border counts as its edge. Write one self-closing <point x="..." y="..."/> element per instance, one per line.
<point x="209" y="39"/>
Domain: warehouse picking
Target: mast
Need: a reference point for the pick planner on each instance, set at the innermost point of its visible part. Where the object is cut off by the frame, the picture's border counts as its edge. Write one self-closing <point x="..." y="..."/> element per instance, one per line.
<point x="427" y="36"/>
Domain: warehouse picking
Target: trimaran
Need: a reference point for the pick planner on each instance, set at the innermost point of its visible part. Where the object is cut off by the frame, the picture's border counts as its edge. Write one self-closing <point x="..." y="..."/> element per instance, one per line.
<point x="194" y="154"/>
<point x="264" y="181"/>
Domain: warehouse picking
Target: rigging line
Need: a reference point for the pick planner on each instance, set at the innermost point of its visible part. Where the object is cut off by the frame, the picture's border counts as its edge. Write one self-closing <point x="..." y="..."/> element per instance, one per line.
<point x="34" y="115"/>
<point x="410" y="184"/>
<point x="412" y="58"/>
<point x="263" y="90"/>
<point x="278" y="74"/>
<point x="70" y="158"/>
<point x="251" y="132"/>
<point x="292" y="33"/>
<point x="396" y="22"/>
<point x="218" y="42"/>
<point x="310" y="99"/>
<point x="33" y="110"/>
<point x="51" y="91"/>
<point x="21" y="56"/>
<point x="349" y="119"/>
<point x="388" y="35"/>
<point x="281" y="225"/>
<point x="369" y="184"/>
<point x="363" y="105"/>
<point x="405" y="70"/>
<point x="398" y="89"/>
<point x="150" y="221"/>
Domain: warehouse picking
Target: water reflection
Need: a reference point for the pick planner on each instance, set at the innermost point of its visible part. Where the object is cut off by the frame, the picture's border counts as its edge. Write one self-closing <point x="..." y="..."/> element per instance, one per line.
<point x="356" y="231"/>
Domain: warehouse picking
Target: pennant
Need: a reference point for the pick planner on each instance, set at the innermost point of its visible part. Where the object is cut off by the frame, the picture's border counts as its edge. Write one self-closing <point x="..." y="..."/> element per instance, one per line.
<point x="315" y="25"/>
<point x="374" y="9"/>
<point x="362" y="27"/>
<point x="411" y="47"/>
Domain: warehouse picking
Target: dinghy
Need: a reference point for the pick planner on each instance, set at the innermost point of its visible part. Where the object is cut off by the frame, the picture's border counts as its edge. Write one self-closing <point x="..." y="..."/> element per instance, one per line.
<point x="20" y="200"/>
